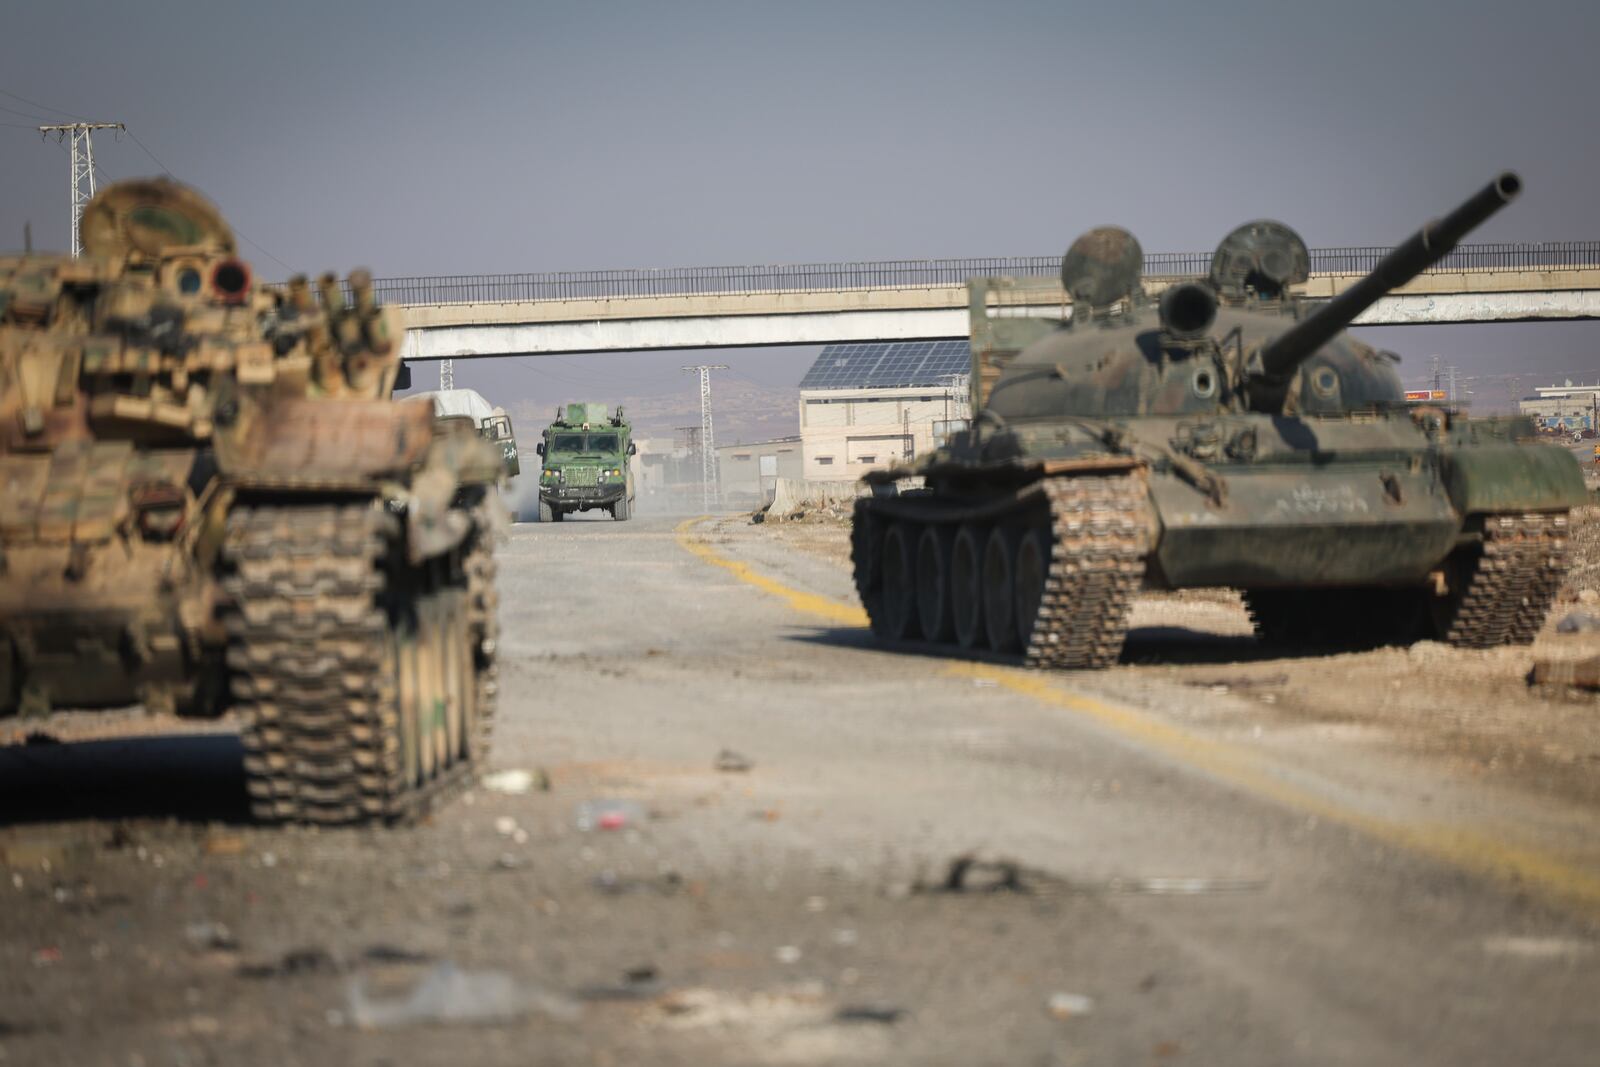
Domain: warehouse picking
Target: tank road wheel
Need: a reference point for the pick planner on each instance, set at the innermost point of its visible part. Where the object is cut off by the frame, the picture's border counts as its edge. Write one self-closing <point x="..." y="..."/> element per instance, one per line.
<point x="352" y="668"/>
<point x="1032" y="568"/>
<point x="899" y="569"/>
<point x="999" y="580"/>
<point x="966" y="590"/>
<point x="933" y="583"/>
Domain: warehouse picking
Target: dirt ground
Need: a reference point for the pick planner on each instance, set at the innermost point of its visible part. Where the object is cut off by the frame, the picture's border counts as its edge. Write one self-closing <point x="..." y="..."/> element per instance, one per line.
<point x="1473" y="708"/>
<point x="724" y="830"/>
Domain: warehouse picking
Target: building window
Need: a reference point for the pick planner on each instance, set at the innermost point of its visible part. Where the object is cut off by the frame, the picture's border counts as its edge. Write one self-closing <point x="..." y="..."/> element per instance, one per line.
<point x="745" y="456"/>
<point x="866" y="459"/>
<point x="824" y="461"/>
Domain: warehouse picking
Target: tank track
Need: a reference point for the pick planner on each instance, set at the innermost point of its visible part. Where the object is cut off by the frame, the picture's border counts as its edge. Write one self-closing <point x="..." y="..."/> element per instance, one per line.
<point x="1509" y="586"/>
<point x="1099" y="529"/>
<point x="483" y="614"/>
<point x="313" y="666"/>
<point x="1503" y="593"/>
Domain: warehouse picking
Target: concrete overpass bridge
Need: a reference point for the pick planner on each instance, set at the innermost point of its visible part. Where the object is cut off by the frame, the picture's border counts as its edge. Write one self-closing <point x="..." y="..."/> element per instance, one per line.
<point x="826" y="303"/>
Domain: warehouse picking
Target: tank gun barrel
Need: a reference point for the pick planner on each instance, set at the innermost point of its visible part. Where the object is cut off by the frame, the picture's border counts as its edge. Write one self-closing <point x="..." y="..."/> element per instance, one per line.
<point x="1421" y="250"/>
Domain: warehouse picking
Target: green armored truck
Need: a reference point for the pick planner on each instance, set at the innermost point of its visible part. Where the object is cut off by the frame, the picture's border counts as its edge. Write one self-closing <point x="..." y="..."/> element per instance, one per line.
<point x="585" y="455"/>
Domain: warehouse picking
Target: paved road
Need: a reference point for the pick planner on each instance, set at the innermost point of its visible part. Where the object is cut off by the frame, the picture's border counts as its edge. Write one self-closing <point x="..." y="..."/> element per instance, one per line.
<point x="1171" y="891"/>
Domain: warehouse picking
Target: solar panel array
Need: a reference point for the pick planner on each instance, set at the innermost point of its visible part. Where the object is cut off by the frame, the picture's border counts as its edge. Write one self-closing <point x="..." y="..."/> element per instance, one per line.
<point x="888" y="366"/>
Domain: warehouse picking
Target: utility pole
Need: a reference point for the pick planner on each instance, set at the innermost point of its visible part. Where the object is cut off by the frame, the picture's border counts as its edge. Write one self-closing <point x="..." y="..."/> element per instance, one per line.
<point x="710" y="488"/>
<point x="82" y="166"/>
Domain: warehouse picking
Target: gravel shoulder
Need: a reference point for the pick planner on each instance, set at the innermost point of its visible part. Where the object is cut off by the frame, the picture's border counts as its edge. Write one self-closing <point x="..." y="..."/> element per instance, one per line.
<point x="732" y="835"/>
<point x="1473" y="711"/>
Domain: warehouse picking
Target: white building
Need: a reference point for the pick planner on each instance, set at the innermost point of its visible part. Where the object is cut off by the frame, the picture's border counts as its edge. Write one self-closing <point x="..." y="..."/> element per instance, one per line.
<point x="874" y="405"/>
<point x="1568" y="406"/>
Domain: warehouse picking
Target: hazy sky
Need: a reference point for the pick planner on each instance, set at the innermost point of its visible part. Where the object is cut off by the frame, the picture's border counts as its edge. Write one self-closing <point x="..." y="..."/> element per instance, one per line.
<point x="465" y="138"/>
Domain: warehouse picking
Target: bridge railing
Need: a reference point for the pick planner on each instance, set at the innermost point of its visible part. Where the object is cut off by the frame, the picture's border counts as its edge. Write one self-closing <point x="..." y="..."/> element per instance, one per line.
<point x="902" y="274"/>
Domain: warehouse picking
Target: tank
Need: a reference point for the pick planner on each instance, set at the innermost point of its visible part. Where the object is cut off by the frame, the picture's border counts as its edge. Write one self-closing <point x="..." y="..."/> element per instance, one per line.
<point x="586" y="463"/>
<point x="212" y="505"/>
<point x="1225" y="433"/>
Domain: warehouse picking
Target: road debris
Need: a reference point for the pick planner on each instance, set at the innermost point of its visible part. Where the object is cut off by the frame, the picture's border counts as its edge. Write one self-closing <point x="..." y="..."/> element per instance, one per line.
<point x="730" y="762"/>
<point x="223" y="845"/>
<point x="292" y="964"/>
<point x="1068" y="1005"/>
<point x="979" y="873"/>
<point x="1183" y="887"/>
<point x="638" y="983"/>
<point x="516" y="782"/>
<point x="610" y="882"/>
<point x="208" y="936"/>
<point x="449" y="994"/>
<point x="609" y="815"/>
<point x="1579" y="622"/>
<point x="884" y="1014"/>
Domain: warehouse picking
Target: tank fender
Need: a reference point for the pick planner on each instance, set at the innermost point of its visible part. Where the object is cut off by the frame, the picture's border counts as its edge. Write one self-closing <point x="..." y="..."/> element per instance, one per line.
<point x="322" y="443"/>
<point x="1489" y="478"/>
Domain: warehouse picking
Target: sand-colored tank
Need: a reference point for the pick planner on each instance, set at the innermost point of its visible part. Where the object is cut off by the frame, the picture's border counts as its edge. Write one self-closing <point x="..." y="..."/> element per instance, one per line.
<point x="211" y="503"/>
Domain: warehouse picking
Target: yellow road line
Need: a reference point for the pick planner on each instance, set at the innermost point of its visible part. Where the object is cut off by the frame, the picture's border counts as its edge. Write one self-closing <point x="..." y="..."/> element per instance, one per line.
<point x="1242" y="767"/>
<point x="810" y="603"/>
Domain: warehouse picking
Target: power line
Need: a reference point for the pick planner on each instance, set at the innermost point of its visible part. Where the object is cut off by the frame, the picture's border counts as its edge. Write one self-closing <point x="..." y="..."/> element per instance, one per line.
<point x="152" y="155"/>
<point x="143" y="147"/>
<point x="24" y="114"/>
<point x="42" y="107"/>
<point x="241" y="234"/>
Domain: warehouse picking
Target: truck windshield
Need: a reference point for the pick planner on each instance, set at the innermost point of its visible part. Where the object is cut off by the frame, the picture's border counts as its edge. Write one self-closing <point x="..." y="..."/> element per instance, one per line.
<point x="579" y="442"/>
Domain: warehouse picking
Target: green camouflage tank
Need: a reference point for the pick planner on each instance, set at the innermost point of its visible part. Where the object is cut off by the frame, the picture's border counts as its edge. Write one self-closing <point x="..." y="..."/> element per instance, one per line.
<point x="1225" y="434"/>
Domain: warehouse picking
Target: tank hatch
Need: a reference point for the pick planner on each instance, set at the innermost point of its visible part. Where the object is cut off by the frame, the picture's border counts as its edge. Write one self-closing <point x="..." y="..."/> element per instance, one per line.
<point x="1102" y="267"/>
<point x="1259" y="261"/>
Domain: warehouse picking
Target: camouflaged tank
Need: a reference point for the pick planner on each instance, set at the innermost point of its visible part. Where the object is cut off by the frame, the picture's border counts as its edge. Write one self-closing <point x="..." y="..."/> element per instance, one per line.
<point x="210" y="502"/>
<point x="1228" y="434"/>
